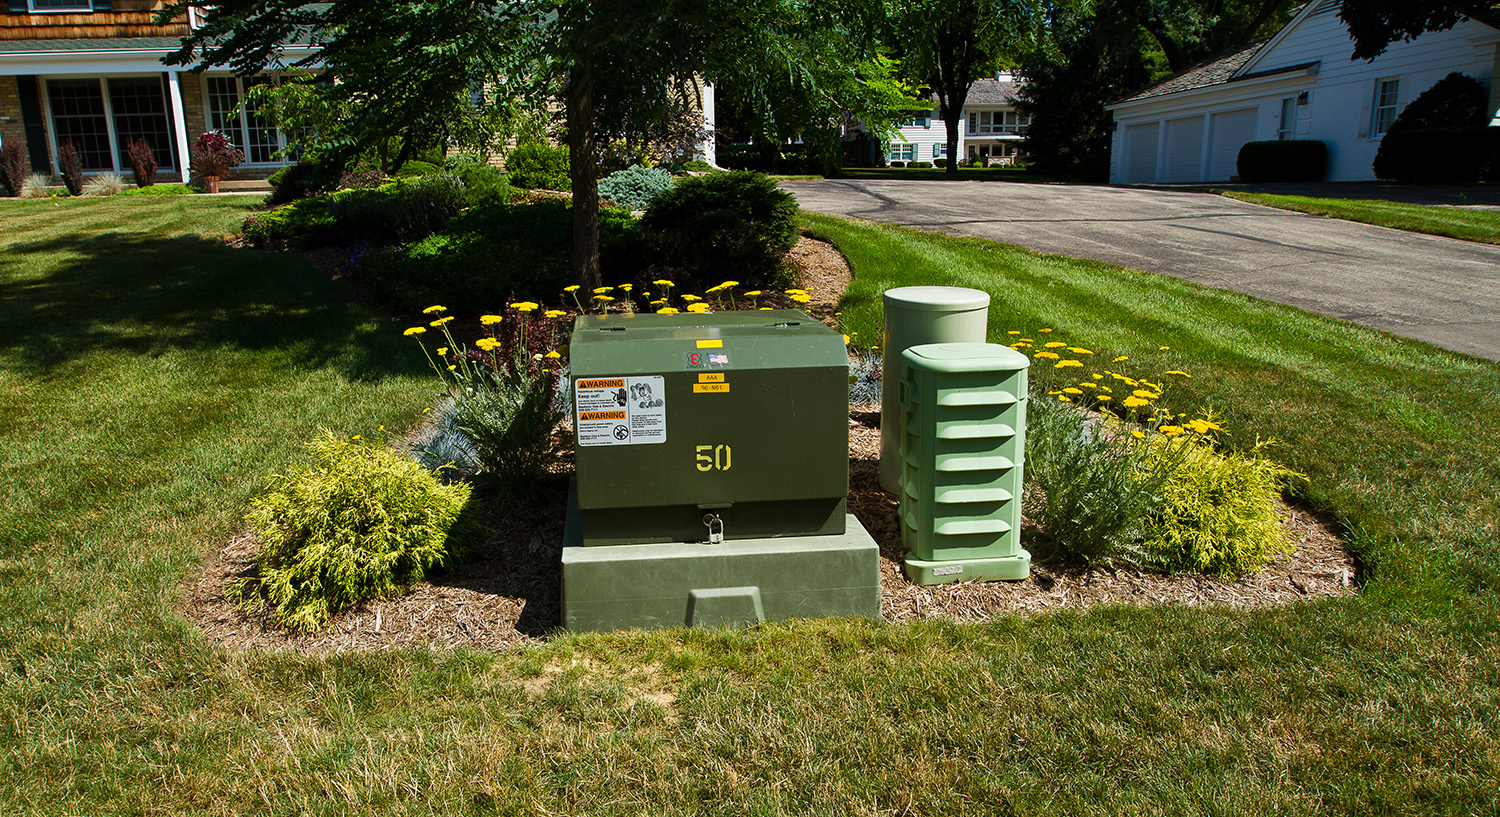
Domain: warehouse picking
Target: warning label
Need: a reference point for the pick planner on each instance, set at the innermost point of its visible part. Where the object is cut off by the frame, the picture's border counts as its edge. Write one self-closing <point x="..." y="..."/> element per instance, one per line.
<point x="620" y="410"/>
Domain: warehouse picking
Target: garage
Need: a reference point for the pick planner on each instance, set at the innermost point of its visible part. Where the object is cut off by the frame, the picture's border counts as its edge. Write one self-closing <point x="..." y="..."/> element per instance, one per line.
<point x="1140" y="153"/>
<point x="1184" y="149"/>
<point x="1231" y="130"/>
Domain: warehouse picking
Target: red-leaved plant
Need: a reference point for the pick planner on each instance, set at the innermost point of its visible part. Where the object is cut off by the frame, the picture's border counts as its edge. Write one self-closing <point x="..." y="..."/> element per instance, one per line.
<point x="214" y="155"/>
<point x="142" y="163"/>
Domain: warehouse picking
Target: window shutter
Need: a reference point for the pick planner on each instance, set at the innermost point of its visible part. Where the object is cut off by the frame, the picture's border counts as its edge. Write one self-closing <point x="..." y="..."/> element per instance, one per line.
<point x="102" y="5"/>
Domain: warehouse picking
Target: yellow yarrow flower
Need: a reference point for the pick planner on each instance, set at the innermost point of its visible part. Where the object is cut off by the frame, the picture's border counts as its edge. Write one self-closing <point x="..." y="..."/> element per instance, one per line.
<point x="689" y="297"/>
<point x="603" y="290"/>
<point x="754" y="293"/>
<point x="487" y="344"/>
<point x="1144" y="394"/>
<point x="603" y="298"/>
<point x="1089" y="385"/>
<point x="1103" y="398"/>
<point x="699" y="308"/>
<point x="554" y="313"/>
<point x="442" y="350"/>
<point x="1120" y="358"/>
<point x="1079" y="350"/>
<point x="573" y="288"/>
<point x="1183" y="374"/>
<point x="1064" y="398"/>
<point x="1056" y="344"/>
<point x="525" y="306"/>
<point x="1044" y="331"/>
<point x="1052" y="355"/>
<point x="627" y="287"/>
<point x="490" y="320"/>
<point x="441" y="321"/>
<point x="1138" y="434"/>
<point x="1162" y="348"/>
<point x="1068" y="364"/>
<point x="553" y="355"/>
<point x="795" y="291"/>
<point x="1012" y="332"/>
<point x="415" y="330"/>
<point x="1170" y="431"/>
<point x="801" y="299"/>
<point x="662" y="282"/>
<point x="1136" y="402"/>
<point x="668" y="310"/>
<point x="1072" y="390"/>
<point x="433" y="309"/>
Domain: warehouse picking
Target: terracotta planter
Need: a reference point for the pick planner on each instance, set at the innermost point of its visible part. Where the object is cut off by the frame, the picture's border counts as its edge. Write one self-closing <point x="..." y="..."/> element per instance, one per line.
<point x="211" y="183"/>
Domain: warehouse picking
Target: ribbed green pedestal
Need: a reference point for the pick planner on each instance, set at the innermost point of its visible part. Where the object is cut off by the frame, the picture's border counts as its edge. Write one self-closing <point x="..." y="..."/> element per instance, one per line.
<point x="1007" y="568"/>
<point x="736" y="583"/>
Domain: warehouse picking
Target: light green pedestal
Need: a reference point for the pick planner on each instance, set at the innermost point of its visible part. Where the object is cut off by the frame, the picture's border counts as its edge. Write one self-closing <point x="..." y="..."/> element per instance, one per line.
<point x="1007" y="568"/>
<point x="736" y="583"/>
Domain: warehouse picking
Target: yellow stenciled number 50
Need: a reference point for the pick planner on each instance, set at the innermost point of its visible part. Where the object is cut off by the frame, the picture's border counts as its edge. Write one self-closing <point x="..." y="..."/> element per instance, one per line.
<point x="713" y="457"/>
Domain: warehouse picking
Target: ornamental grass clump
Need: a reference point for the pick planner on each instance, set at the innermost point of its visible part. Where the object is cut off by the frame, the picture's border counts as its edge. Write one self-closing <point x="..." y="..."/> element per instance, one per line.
<point x="502" y="393"/>
<point x="361" y="522"/>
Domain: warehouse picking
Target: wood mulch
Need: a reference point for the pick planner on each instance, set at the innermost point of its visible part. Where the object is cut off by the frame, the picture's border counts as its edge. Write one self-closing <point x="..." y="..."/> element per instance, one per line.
<point x="507" y="591"/>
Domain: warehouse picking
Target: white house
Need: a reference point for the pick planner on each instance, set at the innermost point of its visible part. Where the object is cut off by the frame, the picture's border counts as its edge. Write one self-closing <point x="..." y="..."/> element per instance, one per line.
<point x="992" y="129"/>
<point x="1300" y="84"/>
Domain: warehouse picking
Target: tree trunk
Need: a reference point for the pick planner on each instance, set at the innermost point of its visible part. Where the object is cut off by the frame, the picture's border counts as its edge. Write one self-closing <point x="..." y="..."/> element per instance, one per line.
<point x="584" y="176"/>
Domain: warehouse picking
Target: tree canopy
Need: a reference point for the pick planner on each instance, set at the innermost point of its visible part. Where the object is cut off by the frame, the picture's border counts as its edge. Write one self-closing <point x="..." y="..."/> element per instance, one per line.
<point x="1375" y="24"/>
<point x="408" y="67"/>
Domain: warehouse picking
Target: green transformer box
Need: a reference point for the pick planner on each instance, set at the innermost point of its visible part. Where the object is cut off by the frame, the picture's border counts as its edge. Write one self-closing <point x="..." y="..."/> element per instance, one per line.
<point x="712" y="473"/>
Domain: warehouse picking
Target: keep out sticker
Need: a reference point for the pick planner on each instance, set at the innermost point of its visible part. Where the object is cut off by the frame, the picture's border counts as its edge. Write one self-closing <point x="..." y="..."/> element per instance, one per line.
<point x="620" y="410"/>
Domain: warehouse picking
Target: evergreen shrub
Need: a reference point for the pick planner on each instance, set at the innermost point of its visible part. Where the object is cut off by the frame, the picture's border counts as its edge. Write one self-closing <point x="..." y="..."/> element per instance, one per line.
<point x="401" y="211"/>
<point x="1438" y="155"/>
<point x="359" y="523"/>
<point x="539" y="166"/>
<point x="634" y="187"/>
<point x="724" y="226"/>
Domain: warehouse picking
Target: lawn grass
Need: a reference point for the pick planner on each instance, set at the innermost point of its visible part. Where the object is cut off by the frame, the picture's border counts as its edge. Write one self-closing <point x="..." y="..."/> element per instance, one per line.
<point x="151" y="376"/>
<point x="1470" y="225"/>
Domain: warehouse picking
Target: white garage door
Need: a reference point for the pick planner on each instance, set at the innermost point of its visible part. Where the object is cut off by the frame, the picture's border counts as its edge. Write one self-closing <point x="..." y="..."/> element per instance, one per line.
<point x="1230" y="133"/>
<point x="1140" y="153"/>
<point x="1185" y="149"/>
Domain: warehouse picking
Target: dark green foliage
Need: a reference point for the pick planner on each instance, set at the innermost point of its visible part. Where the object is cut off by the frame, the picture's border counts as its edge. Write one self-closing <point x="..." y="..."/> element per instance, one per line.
<point x="634" y="187"/>
<point x="1455" y="101"/>
<point x="484" y="257"/>
<point x="699" y="166"/>
<point x="1440" y="155"/>
<point x="1375" y="24"/>
<point x="413" y="169"/>
<point x="312" y="175"/>
<point x="400" y="211"/>
<point x="538" y="166"/>
<point x="483" y="182"/>
<point x="736" y="225"/>
<point x="71" y="164"/>
<point x="12" y="168"/>
<point x="1287" y="160"/>
<point x="920" y="165"/>
<point x="360" y="523"/>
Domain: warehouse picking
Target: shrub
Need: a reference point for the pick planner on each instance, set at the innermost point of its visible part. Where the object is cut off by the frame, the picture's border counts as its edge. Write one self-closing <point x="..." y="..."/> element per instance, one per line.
<point x="402" y="211"/>
<point x="737" y="225"/>
<point x="539" y="166"/>
<point x="418" y="168"/>
<point x="359" y="523"/>
<point x="142" y="162"/>
<point x="920" y="165"/>
<point x="898" y="164"/>
<point x="1289" y="160"/>
<point x="699" y="166"/>
<point x="159" y="190"/>
<point x="70" y="161"/>
<point x="214" y="155"/>
<point x="1218" y="512"/>
<point x="1095" y="487"/>
<point x="308" y="177"/>
<point x="105" y="184"/>
<point x="634" y="187"/>
<point x="1455" y="101"/>
<point x="12" y="168"/>
<point x="939" y="162"/>
<point x="486" y="255"/>
<point x="483" y="182"/>
<point x="1440" y="155"/>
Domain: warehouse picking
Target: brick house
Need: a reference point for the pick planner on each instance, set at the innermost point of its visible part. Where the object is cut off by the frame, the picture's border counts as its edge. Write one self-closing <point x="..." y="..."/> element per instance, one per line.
<point x="91" y="72"/>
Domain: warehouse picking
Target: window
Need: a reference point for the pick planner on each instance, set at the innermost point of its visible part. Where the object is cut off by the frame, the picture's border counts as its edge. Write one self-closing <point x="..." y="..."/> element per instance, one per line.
<point x="62" y="5"/>
<point x="940" y="151"/>
<point x="1386" y="93"/>
<point x="102" y="117"/>
<point x="244" y="124"/>
<point x="1287" y="128"/>
<point x="901" y="153"/>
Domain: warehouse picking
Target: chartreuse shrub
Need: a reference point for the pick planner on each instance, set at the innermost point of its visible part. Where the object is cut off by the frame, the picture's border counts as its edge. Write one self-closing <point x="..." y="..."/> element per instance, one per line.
<point x="1218" y="512"/>
<point x="361" y="522"/>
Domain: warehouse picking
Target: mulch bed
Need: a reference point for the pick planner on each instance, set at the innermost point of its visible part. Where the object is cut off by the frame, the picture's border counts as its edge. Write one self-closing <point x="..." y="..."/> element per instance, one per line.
<point x="507" y="591"/>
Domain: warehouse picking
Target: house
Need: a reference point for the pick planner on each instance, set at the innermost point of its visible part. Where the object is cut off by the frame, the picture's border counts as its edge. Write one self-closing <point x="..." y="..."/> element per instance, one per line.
<point x="90" y="72"/>
<point x="992" y="130"/>
<point x="1300" y="84"/>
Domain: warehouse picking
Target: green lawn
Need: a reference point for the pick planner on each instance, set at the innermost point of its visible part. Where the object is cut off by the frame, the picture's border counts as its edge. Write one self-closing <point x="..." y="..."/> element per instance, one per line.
<point x="151" y="376"/>
<point x="1453" y="222"/>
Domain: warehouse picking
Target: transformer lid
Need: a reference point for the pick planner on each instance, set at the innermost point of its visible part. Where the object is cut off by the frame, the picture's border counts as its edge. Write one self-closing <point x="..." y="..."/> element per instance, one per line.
<point x="965" y="357"/>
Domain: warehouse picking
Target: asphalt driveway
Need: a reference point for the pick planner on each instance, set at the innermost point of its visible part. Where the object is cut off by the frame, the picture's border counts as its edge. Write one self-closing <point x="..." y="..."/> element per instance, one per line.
<point x="1440" y="290"/>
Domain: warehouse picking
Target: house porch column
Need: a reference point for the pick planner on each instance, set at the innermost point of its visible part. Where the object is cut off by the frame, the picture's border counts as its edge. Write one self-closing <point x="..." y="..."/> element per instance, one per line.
<point x="179" y="124"/>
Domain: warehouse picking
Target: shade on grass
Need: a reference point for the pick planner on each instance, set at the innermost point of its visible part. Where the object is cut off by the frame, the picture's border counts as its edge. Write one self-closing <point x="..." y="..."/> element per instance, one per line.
<point x="150" y="375"/>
